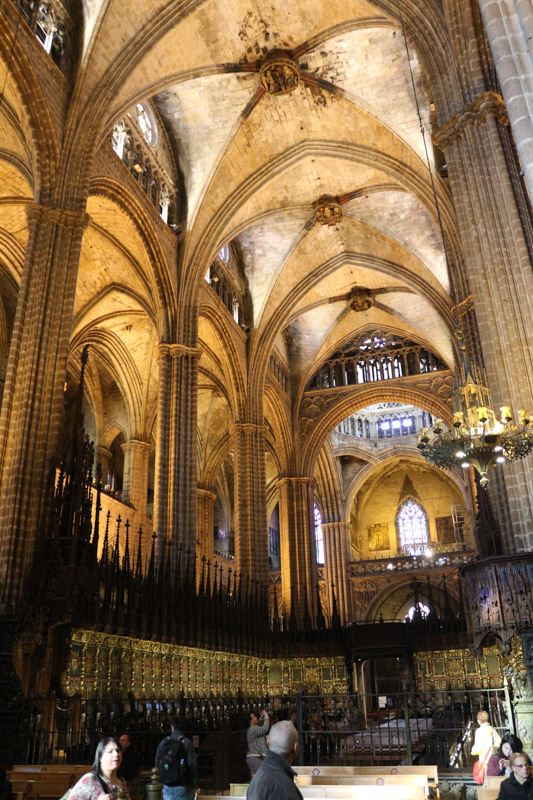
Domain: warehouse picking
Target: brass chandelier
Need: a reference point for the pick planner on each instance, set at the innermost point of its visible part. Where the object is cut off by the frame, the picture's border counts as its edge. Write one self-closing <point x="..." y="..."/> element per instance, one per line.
<point x="478" y="438"/>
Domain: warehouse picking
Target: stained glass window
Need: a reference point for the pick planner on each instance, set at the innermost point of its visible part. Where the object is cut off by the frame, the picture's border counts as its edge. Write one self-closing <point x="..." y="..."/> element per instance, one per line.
<point x="319" y="537"/>
<point x="412" y="526"/>
<point x="223" y="254"/>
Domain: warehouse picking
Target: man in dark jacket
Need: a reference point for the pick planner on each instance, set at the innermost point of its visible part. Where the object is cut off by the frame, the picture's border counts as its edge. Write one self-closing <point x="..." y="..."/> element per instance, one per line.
<point x="274" y="779"/>
<point x="129" y="768"/>
<point x="188" y="785"/>
<point x="520" y="785"/>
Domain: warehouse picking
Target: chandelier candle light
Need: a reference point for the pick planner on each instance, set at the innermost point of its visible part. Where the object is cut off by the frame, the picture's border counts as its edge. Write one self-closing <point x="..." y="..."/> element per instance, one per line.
<point x="478" y="438"/>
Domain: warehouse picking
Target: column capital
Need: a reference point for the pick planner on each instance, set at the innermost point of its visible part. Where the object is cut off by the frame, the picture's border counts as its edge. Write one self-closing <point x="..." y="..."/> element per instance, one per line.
<point x="488" y="104"/>
<point x="175" y="350"/>
<point x="64" y="217"/>
<point x="332" y="526"/>
<point x="137" y="444"/>
<point x="205" y="494"/>
<point x="247" y="427"/>
<point x="296" y="480"/>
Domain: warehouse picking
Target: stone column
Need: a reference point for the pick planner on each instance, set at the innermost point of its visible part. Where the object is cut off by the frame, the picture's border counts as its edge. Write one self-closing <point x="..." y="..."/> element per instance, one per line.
<point x="500" y="278"/>
<point x="299" y="569"/>
<point x="509" y="28"/>
<point x="32" y="405"/>
<point x="175" y="504"/>
<point x="135" y="482"/>
<point x="336" y="560"/>
<point x="204" y="525"/>
<point x="250" y="522"/>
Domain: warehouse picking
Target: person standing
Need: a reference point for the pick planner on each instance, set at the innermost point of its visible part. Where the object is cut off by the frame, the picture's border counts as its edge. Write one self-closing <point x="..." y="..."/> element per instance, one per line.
<point x="5" y="785"/>
<point x="102" y="782"/>
<point x="275" y="779"/>
<point x="175" y="760"/>
<point x="486" y="740"/>
<point x="129" y="769"/>
<point x="520" y="785"/>
<point x="256" y="740"/>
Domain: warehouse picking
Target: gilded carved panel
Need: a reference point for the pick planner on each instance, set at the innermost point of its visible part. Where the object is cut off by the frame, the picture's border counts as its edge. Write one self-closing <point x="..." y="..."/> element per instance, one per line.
<point x="101" y="665"/>
<point x="456" y="669"/>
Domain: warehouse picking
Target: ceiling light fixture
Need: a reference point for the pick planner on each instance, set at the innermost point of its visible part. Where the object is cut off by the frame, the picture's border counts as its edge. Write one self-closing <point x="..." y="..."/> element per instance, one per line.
<point x="478" y="438"/>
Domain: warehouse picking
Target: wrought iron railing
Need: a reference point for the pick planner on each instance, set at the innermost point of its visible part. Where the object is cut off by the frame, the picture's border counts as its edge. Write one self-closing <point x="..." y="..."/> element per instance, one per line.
<point x="405" y="727"/>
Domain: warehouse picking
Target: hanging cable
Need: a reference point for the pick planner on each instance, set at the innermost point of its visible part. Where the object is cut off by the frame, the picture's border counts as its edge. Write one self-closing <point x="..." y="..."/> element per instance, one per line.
<point x="8" y="65"/>
<point x="422" y="131"/>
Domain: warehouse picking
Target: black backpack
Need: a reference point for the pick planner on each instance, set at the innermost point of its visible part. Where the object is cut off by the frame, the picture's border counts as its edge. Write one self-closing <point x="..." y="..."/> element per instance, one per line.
<point x="172" y="763"/>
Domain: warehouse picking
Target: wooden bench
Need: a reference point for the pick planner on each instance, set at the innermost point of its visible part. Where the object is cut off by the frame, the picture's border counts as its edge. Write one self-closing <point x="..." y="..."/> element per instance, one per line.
<point x="36" y="789"/>
<point x="374" y="792"/>
<point x="494" y="781"/>
<point x="487" y="794"/>
<point x="362" y="780"/>
<point x="371" y="792"/>
<point x="430" y="770"/>
<point x="48" y="777"/>
<point x="49" y="769"/>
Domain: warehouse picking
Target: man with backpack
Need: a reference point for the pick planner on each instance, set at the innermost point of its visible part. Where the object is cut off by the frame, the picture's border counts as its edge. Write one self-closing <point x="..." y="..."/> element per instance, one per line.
<point x="175" y="760"/>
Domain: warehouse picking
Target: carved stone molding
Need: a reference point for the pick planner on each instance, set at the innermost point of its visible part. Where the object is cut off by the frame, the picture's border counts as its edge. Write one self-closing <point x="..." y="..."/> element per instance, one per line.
<point x="279" y="73"/>
<point x="328" y="212"/>
<point x="489" y="104"/>
<point x="498" y="599"/>
<point x="57" y="216"/>
<point x="178" y="351"/>
<point x="361" y="299"/>
<point x="315" y="404"/>
<point x="462" y="308"/>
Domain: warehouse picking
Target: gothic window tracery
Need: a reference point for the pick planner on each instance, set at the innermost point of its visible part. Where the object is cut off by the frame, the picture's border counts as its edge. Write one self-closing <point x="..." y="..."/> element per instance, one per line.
<point x="45" y="26"/>
<point x="217" y="277"/>
<point x="145" y="173"/>
<point x="280" y="370"/>
<point x="146" y="124"/>
<point x="46" y="23"/>
<point x="412" y="527"/>
<point x="375" y="356"/>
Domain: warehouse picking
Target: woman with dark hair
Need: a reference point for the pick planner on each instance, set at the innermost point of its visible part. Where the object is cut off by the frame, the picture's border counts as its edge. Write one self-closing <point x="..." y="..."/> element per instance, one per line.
<point x="102" y="782"/>
<point x="498" y="763"/>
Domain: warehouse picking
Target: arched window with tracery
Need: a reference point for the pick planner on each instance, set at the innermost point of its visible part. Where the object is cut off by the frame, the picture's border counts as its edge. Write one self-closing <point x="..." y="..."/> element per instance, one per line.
<point x="319" y="536"/>
<point x="412" y="527"/>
